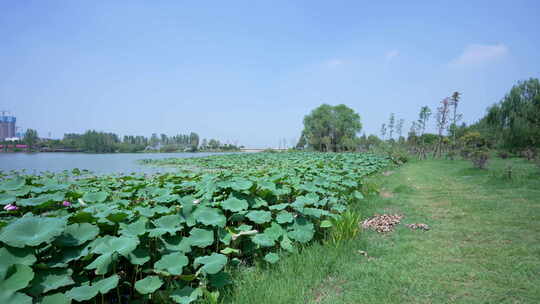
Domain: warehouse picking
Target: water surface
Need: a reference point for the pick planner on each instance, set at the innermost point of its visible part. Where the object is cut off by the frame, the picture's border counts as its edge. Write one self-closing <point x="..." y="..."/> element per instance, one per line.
<point x="98" y="163"/>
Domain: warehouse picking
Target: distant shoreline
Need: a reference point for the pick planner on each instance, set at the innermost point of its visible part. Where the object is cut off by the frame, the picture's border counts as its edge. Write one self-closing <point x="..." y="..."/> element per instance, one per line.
<point x="140" y="152"/>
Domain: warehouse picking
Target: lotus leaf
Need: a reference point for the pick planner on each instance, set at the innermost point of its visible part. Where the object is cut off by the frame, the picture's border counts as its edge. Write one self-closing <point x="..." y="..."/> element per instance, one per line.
<point x="24" y="190"/>
<point x="39" y="200"/>
<point x="286" y="244"/>
<point x="105" y="285"/>
<point x="274" y="231"/>
<point x="9" y="297"/>
<point x="358" y="195"/>
<point x="234" y="204"/>
<point x="110" y="244"/>
<point x="302" y="230"/>
<point x="95" y="197"/>
<point x="7" y="198"/>
<point x="77" y="234"/>
<point x="10" y="256"/>
<point x="315" y="212"/>
<point x="168" y="224"/>
<point x="220" y="279"/>
<point x="148" y="284"/>
<point x="212" y="264"/>
<point x="139" y="256"/>
<point x="284" y="217"/>
<point x="238" y="184"/>
<point x="47" y="280"/>
<point x="278" y="206"/>
<point x="244" y="227"/>
<point x="13" y="183"/>
<point x="16" y="278"/>
<point x="173" y="263"/>
<point x="82" y="293"/>
<point x="177" y="243"/>
<point x="210" y="216"/>
<point x="167" y="198"/>
<point x="326" y="224"/>
<point x="102" y="263"/>
<point x="186" y="295"/>
<point x="201" y="238"/>
<point x="268" y="186"/>
<point x="259" y="216"/>
<point x="57" y="298"/>
<point x="271" y="258"/>
<point x="229" y="250"/>
<point x="69" y="254"/>
<point x="263" y="240"/>
<point x="32" y="231"/>
<point x="145" y="211"/>
<point x="134" y="229"/>
<point x="258" y="202"/>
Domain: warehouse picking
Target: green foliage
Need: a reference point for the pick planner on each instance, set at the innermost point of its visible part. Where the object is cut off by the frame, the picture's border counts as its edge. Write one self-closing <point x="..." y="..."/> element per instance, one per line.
<point x="332" y="128"/>
<point x="345" y="227"/>
<point x="31" y="138"/>
<point x="479" y="158"/>
<point x="169" y="237"/>
<point x="515" y="120"/>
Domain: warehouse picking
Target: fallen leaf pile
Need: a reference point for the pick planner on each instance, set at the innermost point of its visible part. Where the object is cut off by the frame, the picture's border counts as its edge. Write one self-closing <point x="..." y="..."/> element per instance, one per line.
<point x="382" y="223"/>
<point x="418" y="226"/>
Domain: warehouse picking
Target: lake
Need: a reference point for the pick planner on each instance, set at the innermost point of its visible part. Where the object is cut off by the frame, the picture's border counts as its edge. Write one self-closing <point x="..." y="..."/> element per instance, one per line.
<point x="98" y="163"/>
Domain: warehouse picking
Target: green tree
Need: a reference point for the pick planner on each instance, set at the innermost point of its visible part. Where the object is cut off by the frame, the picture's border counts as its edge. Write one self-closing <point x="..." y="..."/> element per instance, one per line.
<point x="516" y="118"/>
<point x="30" y="138"/>
<point x="194" y="141"/>
<point x="330" y="128"/>
<point x="301" y="142"/>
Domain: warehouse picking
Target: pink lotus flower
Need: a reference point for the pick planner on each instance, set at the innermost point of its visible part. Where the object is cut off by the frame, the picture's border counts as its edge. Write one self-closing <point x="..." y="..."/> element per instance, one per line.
<point x="66" y="204"/>
<point x="10" y="207"/>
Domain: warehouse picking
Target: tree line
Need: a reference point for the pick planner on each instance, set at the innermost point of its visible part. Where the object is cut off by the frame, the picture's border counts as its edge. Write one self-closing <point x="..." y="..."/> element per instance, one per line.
<point x="93" y="141"/>
<point x="512" y="125"/>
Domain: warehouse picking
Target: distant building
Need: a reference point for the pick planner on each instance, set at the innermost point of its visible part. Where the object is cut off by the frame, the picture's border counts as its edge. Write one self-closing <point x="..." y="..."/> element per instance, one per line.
<point x="7" y="126"/>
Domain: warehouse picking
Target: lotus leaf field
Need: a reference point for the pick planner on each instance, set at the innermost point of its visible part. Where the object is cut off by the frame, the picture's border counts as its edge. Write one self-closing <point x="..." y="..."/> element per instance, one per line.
<point x="169" y="237"/>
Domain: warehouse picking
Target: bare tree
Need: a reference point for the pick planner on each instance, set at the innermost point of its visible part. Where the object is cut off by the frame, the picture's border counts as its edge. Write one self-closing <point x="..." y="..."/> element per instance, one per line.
<point x="391" y="125"/>
<point x="442" y="124"/>
<point x="399" y="127"/>
<point x="454" y="102"/>
<point x="383" y="131"/>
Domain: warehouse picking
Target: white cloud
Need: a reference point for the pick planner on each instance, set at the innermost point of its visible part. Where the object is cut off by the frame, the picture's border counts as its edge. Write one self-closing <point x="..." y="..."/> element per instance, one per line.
<point x="391" y="55"/>
<point x="475" y="54"/>
<point x="334" y="63"/>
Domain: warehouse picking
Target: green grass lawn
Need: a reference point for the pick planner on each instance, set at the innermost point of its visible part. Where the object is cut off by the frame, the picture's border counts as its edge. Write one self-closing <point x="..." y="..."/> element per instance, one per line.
<point x="483" y="246"/>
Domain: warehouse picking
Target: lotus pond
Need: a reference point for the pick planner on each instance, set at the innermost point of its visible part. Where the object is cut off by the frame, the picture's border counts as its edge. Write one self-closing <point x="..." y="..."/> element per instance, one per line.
<point x="168" y="237"/>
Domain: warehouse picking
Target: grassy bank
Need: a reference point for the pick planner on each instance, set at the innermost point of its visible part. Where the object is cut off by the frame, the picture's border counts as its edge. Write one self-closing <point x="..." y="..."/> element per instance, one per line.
<point x="483" y="246"/>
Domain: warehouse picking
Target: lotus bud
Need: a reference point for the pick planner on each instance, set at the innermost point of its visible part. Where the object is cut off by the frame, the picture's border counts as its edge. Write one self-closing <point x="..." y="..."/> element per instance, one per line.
<point x="195" y="202"/>
<point x="66" y="204"/>
<point x="10" y="207"/>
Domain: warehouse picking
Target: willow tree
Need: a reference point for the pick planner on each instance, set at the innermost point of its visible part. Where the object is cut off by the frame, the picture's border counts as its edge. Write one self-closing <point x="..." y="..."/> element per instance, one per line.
<point x="331" y="128"/>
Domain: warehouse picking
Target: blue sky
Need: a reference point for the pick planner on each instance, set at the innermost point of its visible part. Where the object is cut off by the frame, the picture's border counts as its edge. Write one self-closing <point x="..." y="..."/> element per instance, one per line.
<point x="248" y="71"/>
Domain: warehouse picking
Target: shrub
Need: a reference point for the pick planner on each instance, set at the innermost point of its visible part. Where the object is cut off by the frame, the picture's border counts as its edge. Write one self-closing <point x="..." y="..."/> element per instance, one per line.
<point x="398" y="155"/>
<point x="480" y="158"/>
<point x="451" y="155"/>
<point x="344" y="227"/>
<point x="503" y="154"/>
<point x="465" y="153"/>
<point x="528" y="154"/>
